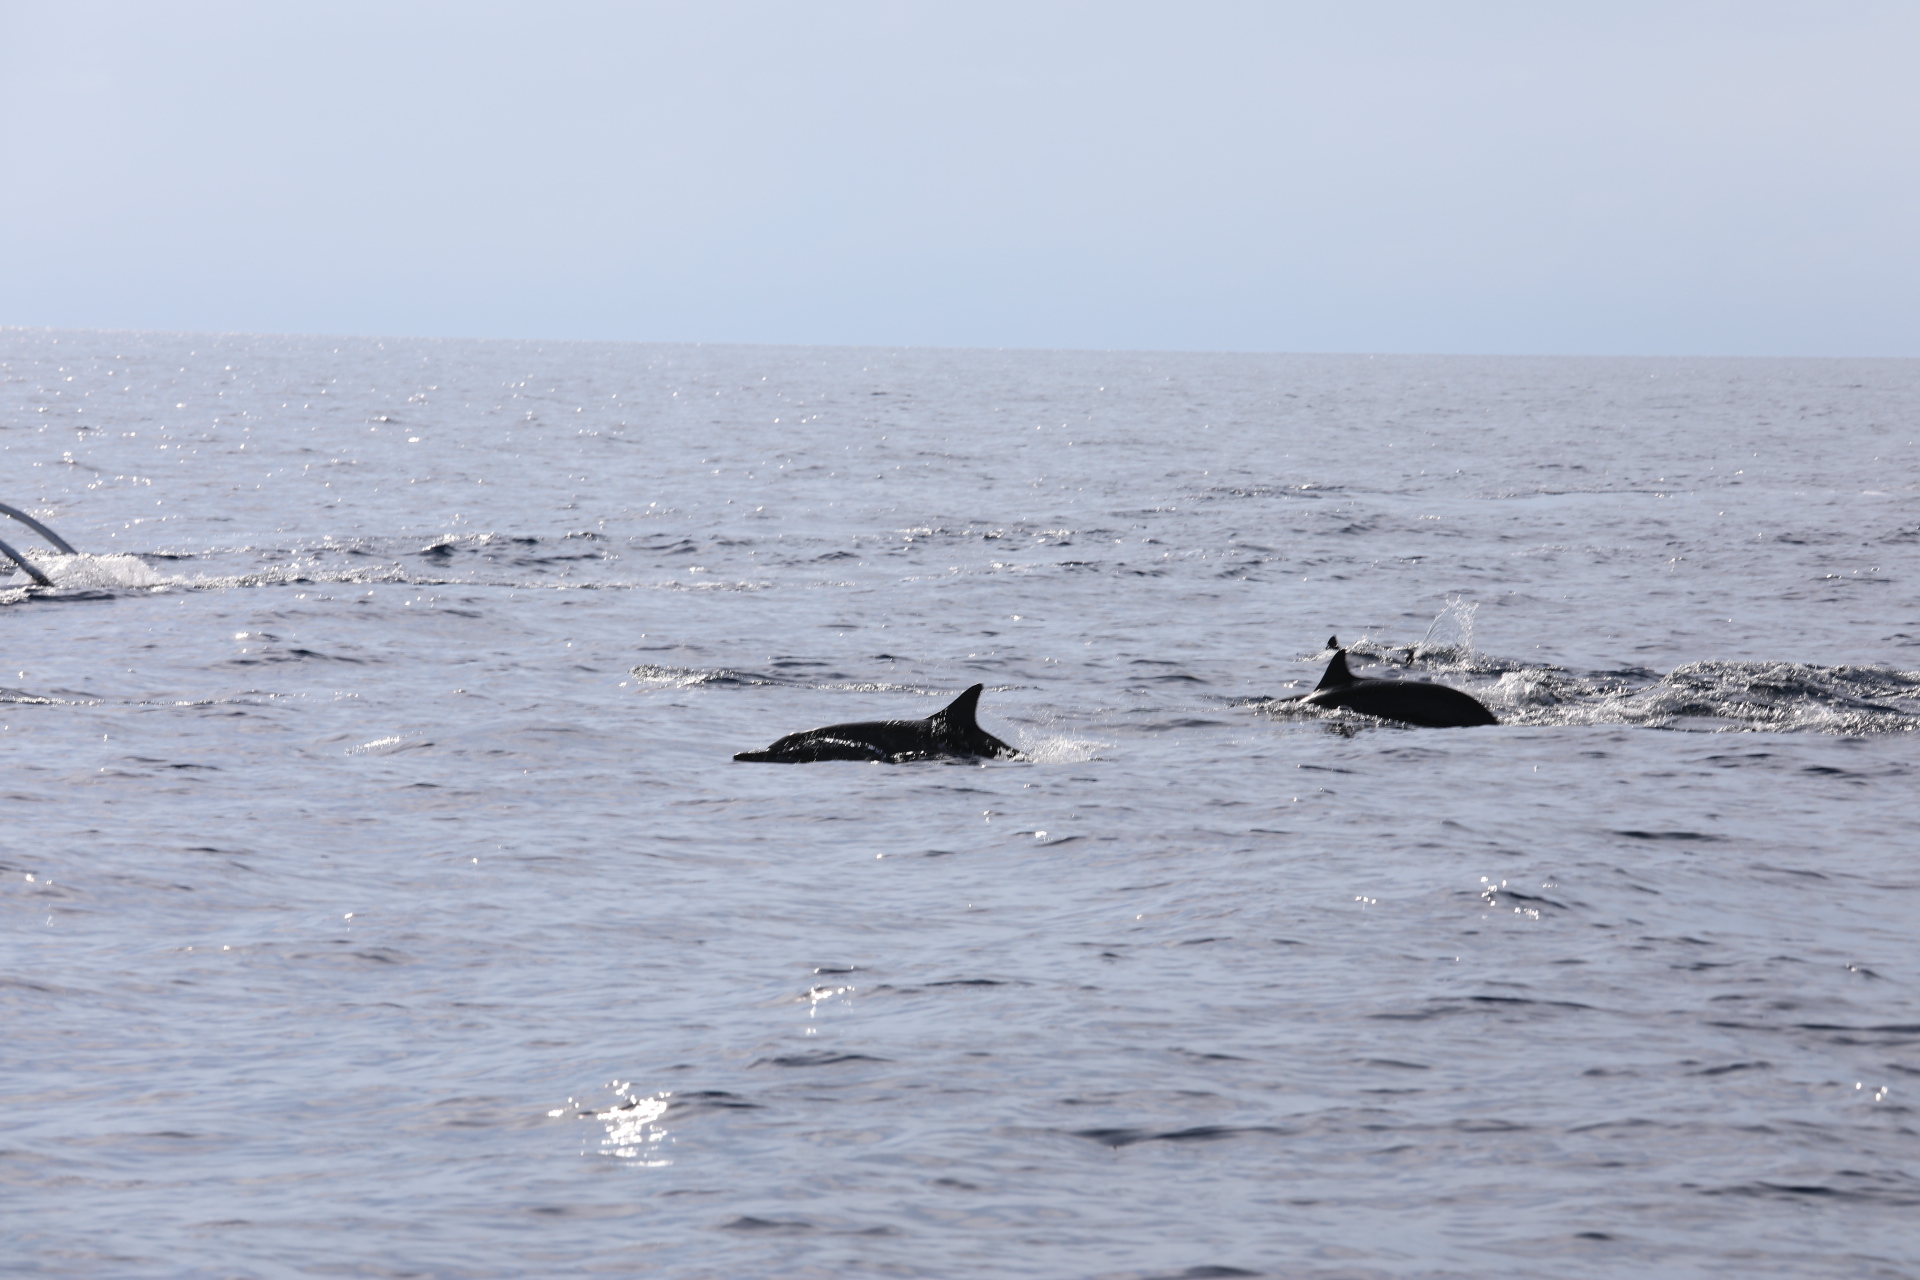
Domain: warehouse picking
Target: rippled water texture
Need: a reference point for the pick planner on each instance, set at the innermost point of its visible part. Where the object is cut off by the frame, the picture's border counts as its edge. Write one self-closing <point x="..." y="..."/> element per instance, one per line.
<point x="381" y="898"/>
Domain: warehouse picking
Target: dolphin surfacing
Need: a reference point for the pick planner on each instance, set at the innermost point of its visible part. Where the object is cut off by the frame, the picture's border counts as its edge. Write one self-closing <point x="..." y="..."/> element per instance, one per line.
<point x="1416" y="702"/>
<point x="950" y="732"/>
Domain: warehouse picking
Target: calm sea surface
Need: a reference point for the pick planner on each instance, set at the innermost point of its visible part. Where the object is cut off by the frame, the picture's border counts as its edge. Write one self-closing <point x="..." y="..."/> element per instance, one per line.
<point x="380" y="898"/>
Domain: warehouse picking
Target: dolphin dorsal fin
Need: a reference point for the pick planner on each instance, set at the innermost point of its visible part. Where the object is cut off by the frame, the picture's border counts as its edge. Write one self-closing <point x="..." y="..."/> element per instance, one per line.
<point x="1333" y="642"/>
<point x="959" y="716"/>
<point x="1337" y="676"/>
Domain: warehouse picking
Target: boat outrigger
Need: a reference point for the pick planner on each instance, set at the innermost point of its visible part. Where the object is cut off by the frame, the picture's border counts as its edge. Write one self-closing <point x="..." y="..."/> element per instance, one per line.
<point x="27" y="566"/>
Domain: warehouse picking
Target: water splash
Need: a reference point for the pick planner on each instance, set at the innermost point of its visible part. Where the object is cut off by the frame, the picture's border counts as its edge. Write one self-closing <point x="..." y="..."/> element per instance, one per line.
<point x="1061" y="749"/>
<point x="90" y="572"/>
<point x="1450" y="634"/>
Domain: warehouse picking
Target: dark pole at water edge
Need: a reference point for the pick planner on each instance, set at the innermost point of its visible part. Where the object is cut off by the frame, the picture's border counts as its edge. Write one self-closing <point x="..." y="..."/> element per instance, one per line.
<point x="27" y="566"/>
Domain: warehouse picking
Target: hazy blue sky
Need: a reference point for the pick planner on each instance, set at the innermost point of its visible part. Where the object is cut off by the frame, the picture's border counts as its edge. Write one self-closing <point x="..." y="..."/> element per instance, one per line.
<point x="1661" y="178"/>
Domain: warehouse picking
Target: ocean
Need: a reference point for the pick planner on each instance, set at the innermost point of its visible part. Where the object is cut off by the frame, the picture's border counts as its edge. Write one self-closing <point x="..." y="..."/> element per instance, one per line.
<point x="382" y="899"/>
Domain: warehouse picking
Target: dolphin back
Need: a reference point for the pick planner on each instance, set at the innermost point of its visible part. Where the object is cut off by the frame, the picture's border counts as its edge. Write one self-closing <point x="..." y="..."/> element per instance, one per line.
<point x="872" y="740"/>
<point x="1415" y="702"/>
<point x="951" y="731"/>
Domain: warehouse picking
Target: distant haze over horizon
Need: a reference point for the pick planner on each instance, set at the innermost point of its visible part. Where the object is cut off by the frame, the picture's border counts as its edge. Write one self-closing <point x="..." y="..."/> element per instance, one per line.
<point x="1687" y="179"/>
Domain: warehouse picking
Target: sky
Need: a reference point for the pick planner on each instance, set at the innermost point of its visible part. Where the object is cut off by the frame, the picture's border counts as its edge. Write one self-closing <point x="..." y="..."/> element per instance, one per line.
<point x="1621" y="178"/>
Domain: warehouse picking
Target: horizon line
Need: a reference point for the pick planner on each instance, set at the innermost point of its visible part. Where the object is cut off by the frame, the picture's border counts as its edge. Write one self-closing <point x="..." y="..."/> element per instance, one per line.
<point x="919" y="346"/>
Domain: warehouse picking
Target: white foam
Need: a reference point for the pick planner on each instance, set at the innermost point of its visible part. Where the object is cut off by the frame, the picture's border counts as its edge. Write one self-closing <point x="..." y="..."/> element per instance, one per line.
<point x="1061" y="750"/>
<point x="97" y="571"/>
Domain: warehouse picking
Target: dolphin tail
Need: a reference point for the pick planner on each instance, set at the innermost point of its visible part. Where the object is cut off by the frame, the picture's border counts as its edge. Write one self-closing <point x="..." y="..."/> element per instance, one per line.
<point x="1337" y="676"/>
<point x="959" y="720"/>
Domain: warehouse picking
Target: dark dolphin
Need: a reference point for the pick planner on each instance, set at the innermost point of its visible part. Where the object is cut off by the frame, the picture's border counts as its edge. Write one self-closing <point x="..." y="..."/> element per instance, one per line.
<point x="1431" y="706"/>
<point x="952" y="731"/>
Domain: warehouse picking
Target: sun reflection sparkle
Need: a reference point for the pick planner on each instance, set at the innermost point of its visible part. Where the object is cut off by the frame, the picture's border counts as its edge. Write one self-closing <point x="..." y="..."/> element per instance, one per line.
<point x="632" y="1131"/>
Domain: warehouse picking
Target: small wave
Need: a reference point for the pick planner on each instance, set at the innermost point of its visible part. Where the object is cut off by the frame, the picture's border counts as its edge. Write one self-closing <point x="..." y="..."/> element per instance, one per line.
<point x="652" y="676"/>
<point x="657" y="676"/>
<point x="129" y="573"/>
<point x="1198" y="1133"/>
<point x="674" y="584"/>
<point x="1781" y="696"/>
<point x="1231" y="492"/>
<point x="1722" y="696"/>
<point x="1285" y="707"/>
<point x="44" y="700"/>
<point x="389" y="746"/>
